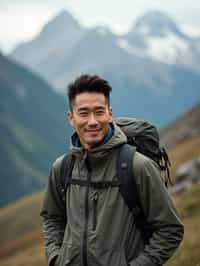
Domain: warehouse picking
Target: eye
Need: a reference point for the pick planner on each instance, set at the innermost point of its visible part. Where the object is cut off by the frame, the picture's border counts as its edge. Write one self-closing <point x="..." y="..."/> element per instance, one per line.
<point x="83" y="114"/>
<point x="100" y="112"/>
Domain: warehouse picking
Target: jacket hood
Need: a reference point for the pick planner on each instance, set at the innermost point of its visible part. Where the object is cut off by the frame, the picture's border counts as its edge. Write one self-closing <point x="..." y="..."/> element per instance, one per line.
<point x="102" y="150"/>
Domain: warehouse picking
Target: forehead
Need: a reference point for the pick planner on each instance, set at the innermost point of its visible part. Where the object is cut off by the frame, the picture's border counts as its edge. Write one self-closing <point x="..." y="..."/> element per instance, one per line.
<point x="89" y="100"/>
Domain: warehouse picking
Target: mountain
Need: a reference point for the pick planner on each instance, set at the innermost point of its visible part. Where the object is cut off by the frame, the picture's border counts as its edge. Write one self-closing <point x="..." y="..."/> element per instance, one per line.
<point x="182" y="139"/>
<point x="144" y="69"/>
<point x="158" y="37"/>
<point x="183" y="129"/>
<point x="32" y="130"/>
<point x="154" y="23"/>
<point x="51" y="45"/>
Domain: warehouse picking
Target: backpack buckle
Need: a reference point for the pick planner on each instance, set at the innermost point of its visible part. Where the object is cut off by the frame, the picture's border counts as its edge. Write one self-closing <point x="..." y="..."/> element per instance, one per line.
<point x="124" y="165"/>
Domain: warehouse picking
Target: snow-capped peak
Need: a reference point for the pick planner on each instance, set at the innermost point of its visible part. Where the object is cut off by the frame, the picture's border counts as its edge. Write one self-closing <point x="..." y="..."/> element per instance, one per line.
<point x="169" y="49"/>
<point x="157" y="36"/>
<point x="155" y="23"/>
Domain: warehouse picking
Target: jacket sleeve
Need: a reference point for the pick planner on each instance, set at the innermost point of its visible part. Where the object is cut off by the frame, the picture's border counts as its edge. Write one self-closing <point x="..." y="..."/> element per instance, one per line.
<point x="159" y="211"/>
<point x="53" y="212"/>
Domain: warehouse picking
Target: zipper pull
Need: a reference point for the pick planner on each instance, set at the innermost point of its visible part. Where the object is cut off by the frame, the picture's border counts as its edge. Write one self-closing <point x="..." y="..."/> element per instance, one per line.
<point x="95" y="200"/>
<point x="96" y="196"/>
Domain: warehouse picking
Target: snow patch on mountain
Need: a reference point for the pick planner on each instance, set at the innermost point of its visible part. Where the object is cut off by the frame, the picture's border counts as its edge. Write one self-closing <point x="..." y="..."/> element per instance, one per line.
<point x="168" y="49"/>
<point x="126" y="46"/>
<point x="191" y="31"/>
<point x="155" y="23"/>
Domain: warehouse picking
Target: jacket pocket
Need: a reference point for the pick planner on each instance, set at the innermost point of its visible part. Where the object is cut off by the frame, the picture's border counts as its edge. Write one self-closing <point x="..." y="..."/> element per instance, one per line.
<point x="69" y="256"/>
<point x="110" y="257"/>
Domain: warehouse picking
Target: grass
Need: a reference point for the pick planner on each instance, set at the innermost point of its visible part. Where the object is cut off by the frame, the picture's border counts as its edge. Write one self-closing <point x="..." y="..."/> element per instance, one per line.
<point x="184" y="152"/>
<point x="33" y="255"/>
<point x="189" y="252"/>
<point x="20" y="218"/>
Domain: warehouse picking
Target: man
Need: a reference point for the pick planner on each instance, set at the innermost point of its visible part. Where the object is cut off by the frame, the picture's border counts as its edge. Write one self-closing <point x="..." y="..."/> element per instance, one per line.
<point x="94" y="226"/>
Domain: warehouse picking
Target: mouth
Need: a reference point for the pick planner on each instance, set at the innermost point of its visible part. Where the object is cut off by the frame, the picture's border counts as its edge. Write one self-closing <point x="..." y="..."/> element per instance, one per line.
<point x="93" y="130"/>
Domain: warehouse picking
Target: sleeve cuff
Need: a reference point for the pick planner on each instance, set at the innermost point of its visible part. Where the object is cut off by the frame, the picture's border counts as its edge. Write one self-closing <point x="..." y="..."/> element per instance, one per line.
<point x="52" y="256"/>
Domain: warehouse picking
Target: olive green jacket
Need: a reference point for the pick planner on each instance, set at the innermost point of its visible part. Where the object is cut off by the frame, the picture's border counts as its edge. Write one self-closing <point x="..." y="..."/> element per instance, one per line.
<point x="95" y="227"/>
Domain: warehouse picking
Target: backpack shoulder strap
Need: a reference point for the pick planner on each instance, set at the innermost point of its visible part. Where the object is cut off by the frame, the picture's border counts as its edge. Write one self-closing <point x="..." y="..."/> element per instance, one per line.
<point x="128" y="189"/>
<point x="66" y="171"/>
<point x="125" y="173"/>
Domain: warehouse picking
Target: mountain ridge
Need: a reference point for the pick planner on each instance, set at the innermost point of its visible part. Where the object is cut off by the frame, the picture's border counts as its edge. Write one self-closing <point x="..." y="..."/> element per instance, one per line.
<point x="28" y="140"/>
<point x="171" y="46"/>
<point x="156" y="22"/>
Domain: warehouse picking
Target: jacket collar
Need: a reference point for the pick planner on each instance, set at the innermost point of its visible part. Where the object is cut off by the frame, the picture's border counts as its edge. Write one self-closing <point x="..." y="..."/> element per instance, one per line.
<point x="112" y="139"/>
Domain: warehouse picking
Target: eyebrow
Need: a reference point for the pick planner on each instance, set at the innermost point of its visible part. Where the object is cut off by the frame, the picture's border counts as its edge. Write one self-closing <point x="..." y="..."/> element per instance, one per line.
<point x="100" y="108"/>
<point x="80" y="109"/>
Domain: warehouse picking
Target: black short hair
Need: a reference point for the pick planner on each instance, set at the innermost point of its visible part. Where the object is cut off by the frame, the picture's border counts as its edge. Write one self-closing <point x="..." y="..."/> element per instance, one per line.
<point x="88" y="83"/>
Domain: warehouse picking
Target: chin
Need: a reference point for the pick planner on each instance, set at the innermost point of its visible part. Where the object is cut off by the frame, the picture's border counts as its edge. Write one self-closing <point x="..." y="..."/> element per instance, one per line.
<point x="94" y="141"/>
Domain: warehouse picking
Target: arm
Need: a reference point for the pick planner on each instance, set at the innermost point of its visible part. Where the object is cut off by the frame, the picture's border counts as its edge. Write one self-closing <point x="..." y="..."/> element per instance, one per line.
<point x="53" y="213"/>
<point x="159" y="211"/>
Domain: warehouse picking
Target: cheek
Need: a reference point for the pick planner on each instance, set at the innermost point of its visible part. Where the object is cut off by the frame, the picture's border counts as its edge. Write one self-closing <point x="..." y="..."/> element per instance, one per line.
<point x="105" y="126"/>
<point x="79" y="125"/>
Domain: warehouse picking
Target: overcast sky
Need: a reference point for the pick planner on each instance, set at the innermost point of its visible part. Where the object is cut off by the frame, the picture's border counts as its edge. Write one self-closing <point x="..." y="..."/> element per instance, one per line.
<point x="21" y="20"/>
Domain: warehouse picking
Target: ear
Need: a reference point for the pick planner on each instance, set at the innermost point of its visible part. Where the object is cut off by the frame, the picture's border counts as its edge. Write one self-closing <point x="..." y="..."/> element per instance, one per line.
<point x="110" y="114"/>
<point x="70" y="118"/>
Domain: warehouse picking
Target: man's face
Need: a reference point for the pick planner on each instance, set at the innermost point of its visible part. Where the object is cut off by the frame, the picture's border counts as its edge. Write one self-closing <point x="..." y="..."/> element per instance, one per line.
<point x="90" y="117"/>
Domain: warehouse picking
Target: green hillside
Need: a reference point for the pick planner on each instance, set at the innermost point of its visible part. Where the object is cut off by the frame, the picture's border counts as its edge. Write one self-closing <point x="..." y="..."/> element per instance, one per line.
<point x="189" y="207"/>
<point x="20" y="218"/>
<point x="32" y="130"/>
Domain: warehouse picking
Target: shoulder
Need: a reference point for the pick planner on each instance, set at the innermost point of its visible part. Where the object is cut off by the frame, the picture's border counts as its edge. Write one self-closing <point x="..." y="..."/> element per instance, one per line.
<point x="58" y="163"/>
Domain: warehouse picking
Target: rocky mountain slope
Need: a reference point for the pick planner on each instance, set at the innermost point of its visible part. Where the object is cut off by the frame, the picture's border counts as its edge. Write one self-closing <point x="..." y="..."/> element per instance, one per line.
<point x="32" y="130"/>
<point x="183" y="129"/>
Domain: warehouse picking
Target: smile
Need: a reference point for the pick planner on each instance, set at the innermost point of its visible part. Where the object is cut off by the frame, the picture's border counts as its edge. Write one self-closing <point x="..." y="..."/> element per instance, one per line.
<point x="93" y="130"/>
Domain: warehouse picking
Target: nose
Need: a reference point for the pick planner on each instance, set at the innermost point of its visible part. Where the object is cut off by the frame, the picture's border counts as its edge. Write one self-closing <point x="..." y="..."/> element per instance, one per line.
<point x="92" y="120"/>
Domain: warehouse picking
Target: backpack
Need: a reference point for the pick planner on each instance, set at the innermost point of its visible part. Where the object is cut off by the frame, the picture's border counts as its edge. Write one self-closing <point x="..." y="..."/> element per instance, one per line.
<point x="142" y="137"/>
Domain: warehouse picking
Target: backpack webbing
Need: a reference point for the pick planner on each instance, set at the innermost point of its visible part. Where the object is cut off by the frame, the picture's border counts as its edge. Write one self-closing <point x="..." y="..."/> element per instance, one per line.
<point x="126" y="182"/>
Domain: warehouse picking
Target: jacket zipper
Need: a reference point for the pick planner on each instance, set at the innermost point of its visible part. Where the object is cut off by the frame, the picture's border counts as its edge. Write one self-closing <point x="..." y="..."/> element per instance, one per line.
<point x="95" y="200"/>
<point x="85" y="232"/>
